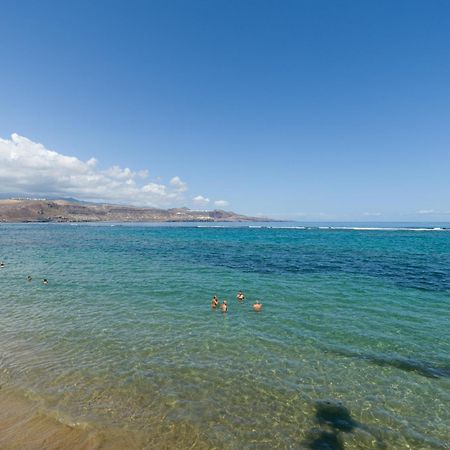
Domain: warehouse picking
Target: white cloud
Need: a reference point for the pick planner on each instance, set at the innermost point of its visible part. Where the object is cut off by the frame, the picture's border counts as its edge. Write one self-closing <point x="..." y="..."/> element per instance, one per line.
<point x="177" y="184"/>
<point x="221" y="203"/>
<point x="426" y="211"/>
<point x="200" y="200"/>
<point x="29" y="167"/>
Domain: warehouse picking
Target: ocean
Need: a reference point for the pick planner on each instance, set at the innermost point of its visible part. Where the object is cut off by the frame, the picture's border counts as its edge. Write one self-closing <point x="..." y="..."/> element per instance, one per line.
<point x="121" y="349"/>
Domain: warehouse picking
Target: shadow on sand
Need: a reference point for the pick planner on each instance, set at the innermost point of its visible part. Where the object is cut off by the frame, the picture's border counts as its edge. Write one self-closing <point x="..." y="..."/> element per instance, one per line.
<point x="334" y="420"/>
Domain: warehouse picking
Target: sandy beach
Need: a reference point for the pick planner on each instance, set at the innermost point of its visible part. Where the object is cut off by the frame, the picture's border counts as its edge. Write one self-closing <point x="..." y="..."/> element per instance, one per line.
<point x="26" y="425"/>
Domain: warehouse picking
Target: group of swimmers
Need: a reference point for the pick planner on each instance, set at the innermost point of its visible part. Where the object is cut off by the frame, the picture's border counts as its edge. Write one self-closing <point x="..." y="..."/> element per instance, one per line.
<point x="240" y="297"/>
<point x="29" y="277"/>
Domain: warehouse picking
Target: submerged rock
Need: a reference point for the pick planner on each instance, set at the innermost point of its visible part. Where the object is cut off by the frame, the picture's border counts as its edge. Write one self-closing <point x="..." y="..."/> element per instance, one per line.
<point x="335" y="414"/>
<point x="323" y="440"/>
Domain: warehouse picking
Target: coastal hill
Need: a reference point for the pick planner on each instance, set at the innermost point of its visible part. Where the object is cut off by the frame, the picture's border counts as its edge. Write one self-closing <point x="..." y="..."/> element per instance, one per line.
<point x="70" y="210"/>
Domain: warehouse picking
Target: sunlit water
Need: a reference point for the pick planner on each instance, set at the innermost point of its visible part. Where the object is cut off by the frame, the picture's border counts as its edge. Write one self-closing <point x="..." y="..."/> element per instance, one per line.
<point x="351" y="349"/>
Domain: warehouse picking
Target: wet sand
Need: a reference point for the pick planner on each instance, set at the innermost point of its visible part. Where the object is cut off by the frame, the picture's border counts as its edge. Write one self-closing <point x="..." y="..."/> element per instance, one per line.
<point x="26" y="425"/>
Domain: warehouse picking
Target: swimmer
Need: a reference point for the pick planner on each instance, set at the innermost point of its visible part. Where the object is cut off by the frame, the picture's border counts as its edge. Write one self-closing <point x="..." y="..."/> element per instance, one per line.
<point x="29" y="278"/>
<point x="240" y="296"/>
<point x="45" y="281"/>
<point x="2" y="264"/>
<point x="257" y="306"/>
<point x="223" y="306"/>
<point x="214" y="302"/>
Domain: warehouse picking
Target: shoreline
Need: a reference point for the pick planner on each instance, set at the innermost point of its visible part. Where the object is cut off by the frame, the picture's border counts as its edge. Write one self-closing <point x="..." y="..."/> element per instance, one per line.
<point x="26" y="424"/>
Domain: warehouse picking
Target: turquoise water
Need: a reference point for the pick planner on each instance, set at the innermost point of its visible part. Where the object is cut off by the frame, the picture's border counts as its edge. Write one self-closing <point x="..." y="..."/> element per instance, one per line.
<point x="351" y="349"/>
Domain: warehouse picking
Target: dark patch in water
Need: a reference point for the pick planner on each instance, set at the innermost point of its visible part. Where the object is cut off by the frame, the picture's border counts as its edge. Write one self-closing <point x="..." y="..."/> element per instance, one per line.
<point x="409" y="259"/>
<point x="308" y="252"/>
<point x="337" y="419"/>
<point x="423" y="368"/>
<point x="323" y="440"/>
<point x="334" y="414"/>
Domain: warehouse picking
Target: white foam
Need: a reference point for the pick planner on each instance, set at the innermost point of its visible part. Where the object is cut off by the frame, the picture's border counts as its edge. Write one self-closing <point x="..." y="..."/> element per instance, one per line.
<point x="289" y="228"/>
<point x="357" y="228"/>
<point x="384" y="229"/>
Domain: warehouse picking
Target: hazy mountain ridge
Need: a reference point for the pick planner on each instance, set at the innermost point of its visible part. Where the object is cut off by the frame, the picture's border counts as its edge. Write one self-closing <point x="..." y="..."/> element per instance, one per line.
<point x="63" y="210"/>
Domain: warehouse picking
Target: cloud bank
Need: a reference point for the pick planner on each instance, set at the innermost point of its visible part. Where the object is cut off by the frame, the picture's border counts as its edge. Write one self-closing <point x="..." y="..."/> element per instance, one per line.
<point x="200" y="200"/>
<point x="29" y="167"/>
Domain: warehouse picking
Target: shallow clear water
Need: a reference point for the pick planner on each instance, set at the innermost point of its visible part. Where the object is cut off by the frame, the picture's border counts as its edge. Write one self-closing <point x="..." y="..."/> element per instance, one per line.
<point x="123" y="336"/>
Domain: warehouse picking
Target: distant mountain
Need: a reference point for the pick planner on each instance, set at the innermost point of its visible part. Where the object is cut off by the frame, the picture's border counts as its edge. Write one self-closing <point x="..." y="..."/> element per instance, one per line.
<point x="71" y="210"/>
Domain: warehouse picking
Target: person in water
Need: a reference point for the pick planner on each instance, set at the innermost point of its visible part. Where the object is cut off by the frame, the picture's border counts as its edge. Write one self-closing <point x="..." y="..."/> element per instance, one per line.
<point x="257" y="306"/>
<point x="45" y="281"/>
<point x="214" y="302"/>
<point x="29" y="278"/>
<point x="223" y="306"/>
<point x="240" y="296"/>
<point x="2" y="264"/>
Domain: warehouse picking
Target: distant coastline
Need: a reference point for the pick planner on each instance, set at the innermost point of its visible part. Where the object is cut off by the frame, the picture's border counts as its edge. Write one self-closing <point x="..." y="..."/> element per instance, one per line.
<point x="70" y="210"/>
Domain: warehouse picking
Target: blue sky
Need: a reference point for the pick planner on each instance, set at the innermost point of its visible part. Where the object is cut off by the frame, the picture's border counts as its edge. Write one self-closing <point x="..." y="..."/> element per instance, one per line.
<point x="310" y="110"/>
